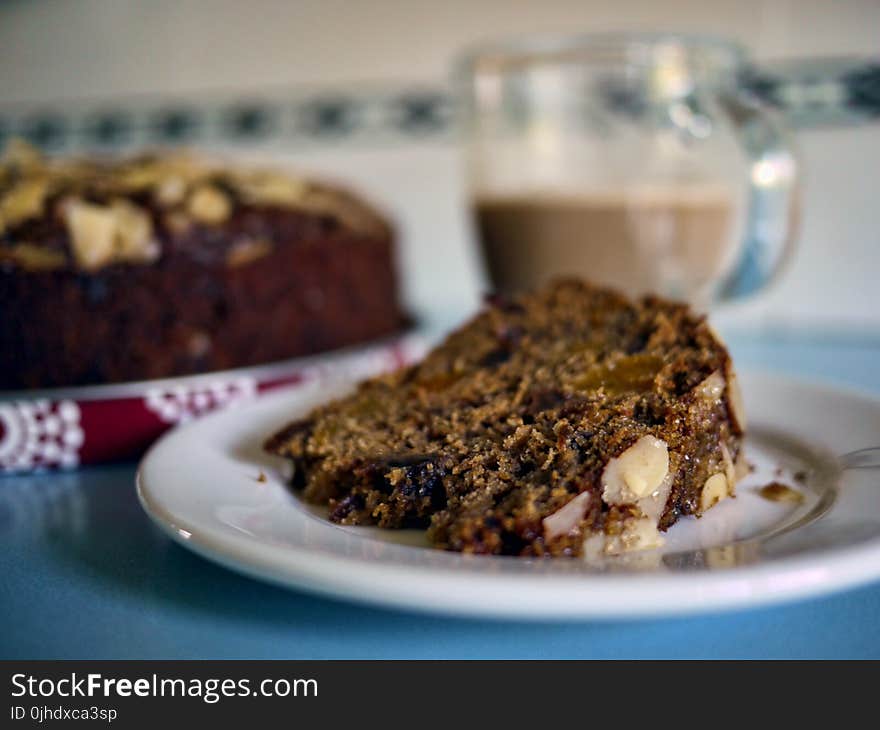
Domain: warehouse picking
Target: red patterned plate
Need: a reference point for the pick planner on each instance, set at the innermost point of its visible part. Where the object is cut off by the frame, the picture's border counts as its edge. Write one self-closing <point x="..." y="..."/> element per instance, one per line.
<point x="67" y="427"/>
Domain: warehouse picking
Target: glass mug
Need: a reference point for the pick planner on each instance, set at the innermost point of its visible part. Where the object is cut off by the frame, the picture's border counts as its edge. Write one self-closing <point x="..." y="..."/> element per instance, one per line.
<point x="639" y="161"/>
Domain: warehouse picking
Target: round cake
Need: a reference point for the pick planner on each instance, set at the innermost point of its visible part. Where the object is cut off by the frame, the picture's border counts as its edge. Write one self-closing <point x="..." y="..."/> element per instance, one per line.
<point x="167" y="264"/>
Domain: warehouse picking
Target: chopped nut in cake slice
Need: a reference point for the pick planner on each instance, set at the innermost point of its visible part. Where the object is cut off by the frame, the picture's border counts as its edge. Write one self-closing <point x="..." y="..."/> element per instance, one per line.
<point x="570" y="421"/>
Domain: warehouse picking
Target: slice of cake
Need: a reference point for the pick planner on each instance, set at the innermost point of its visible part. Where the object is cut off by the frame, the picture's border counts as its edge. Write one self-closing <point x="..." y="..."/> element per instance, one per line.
<point x="570" y="421"/>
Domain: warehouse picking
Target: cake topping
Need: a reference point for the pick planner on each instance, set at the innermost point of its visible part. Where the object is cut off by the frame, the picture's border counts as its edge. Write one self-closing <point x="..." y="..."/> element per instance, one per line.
<point x="266" y="187"/>
<point x="712" y="388"/>
<point x="31" y="257"/>
<point x="637" y="472"/>
<point x="134" y="233"/>
<point x="20" y="155"/>
<point x="729" y="466"/>
<point x="566" y="518"/>
<point x="105" y="234"/>
<point x="23" y="201"/>
<point x="209" y="205"/>
<point x="714" y="491"/>
<point x="117" y="201"/>
<point x="171" y="191"/>
<point x="246" y="251"/>
<point x="92" y="232"/>
<point x="735" y="400"/>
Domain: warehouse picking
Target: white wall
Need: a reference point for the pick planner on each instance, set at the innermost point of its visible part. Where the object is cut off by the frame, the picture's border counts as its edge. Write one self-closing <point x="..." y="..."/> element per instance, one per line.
<point x="65" y="48"/>
<point x="59" y="49"/>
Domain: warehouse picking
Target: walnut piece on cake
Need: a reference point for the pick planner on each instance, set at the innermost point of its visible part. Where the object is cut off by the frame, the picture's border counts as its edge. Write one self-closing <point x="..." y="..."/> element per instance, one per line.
<point x="569" y="421"/>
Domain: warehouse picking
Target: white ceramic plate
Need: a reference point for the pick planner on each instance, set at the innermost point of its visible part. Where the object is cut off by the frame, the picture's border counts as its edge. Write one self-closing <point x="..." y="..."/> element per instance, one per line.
<point x="200" y="484"/>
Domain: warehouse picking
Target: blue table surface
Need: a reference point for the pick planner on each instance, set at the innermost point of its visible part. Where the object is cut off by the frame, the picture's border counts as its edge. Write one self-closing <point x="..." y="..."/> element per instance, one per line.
<point x="86" y="576"/>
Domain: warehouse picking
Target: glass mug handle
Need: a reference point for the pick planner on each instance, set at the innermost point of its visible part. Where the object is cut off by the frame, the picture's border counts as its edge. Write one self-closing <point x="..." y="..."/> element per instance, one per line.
<point x="772" y="199"/>
<point x="772" y="99"/>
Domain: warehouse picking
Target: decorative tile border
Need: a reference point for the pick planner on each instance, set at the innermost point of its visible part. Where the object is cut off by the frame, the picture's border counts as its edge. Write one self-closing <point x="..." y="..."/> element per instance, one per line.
<point x="820" y="92"/>
<point x="826" y="92"/>
<point x="329" y="116"/>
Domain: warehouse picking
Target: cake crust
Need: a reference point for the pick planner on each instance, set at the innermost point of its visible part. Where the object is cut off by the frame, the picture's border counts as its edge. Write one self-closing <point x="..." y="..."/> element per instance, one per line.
<point x="570" y="421"/>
